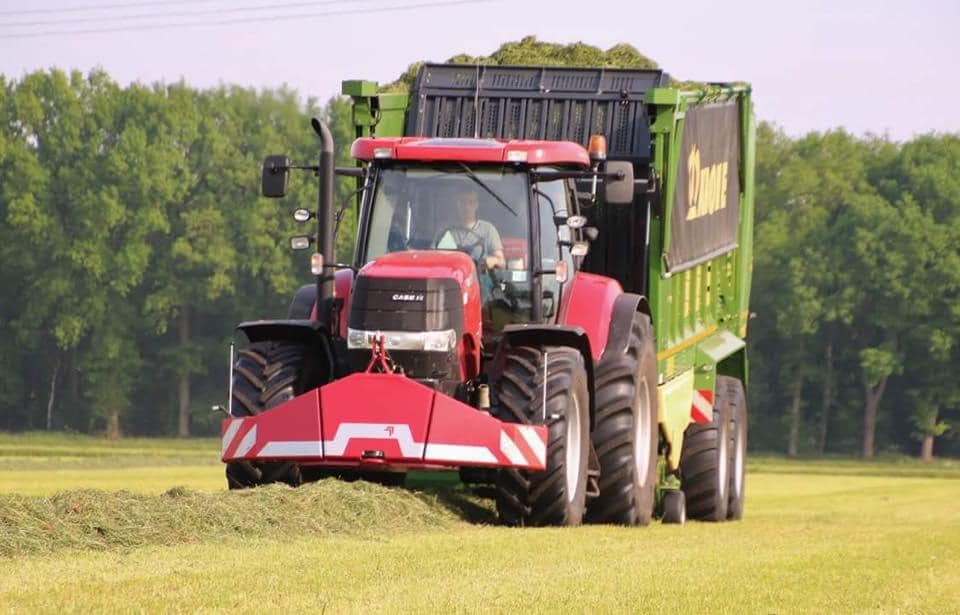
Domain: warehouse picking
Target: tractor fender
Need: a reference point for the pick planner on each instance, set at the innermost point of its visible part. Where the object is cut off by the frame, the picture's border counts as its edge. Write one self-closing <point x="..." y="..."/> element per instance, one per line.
<point x="588" y="304"/>
<point x="621" y="320"/>
<point x="304" y="304"/>
<point x="553" y="335"/>
<point x="308" y="332"/>
<point x="293" y="330"/>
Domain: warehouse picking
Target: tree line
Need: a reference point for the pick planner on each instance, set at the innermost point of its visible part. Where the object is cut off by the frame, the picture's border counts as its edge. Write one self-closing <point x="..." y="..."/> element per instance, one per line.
<point x="133" y="239"/>
<point x="856" y="293"/>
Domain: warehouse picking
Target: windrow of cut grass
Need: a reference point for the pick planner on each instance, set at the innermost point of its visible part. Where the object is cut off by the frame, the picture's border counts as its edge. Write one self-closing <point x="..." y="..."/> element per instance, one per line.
<point x="99" y="520"/>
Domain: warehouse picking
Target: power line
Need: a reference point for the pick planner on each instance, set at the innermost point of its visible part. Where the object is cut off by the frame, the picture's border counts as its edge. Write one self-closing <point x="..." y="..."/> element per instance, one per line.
<point x="239" y="9"/>
<point x="98" y="7"/>
<point x="259" y="19"/>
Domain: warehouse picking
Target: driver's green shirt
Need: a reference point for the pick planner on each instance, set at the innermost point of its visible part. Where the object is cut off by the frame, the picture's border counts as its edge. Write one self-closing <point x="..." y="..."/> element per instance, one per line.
<point x="482" y="233"/>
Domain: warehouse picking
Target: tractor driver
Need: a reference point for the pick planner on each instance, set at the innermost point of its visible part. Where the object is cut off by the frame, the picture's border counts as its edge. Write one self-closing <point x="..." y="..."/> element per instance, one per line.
<point x="476" y="237"/>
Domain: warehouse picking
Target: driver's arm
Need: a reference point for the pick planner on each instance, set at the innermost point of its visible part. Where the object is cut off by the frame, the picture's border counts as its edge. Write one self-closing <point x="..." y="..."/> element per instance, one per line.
<point x="495" y="258"/>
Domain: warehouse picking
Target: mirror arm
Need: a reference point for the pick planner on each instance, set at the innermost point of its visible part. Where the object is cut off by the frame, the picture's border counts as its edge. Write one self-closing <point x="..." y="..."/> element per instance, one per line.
<point x="349" y="171"/>
<point x="345" y="171"/>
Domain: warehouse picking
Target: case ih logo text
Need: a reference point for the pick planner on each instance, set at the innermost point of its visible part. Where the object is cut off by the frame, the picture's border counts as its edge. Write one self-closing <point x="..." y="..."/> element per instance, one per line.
<point x="407" y="297"/>
<point x="707" y="191"/>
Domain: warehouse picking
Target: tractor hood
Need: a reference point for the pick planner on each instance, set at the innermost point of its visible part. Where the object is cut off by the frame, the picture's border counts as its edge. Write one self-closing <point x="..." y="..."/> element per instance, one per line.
<point x="422" y="264"/>
<point x="431" y="265"/>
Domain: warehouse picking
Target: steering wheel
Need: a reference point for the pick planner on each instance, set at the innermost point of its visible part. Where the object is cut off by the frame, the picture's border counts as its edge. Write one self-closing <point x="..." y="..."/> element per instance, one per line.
<point x="458" y="237"/>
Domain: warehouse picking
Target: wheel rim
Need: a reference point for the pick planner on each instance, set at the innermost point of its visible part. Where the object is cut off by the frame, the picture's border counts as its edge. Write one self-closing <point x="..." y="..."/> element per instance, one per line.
<point x="723" y="465"/>
<point x="641" y="437"/>
<point x="738" y="455"/>
<point x="573" y="450"/>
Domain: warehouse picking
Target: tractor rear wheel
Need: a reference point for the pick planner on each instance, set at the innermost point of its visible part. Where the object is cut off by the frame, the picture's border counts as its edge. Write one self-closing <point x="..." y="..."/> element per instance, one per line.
<point x="265" y="375"/>
<point x="546" y="385"/>
<point x="705" y="462"/>
<point x="626" y="433"/>
<point x="738" y="443"/>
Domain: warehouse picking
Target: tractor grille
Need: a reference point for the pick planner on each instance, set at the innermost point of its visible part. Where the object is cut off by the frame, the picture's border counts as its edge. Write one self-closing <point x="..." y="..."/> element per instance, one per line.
<point x="402" y="304"/>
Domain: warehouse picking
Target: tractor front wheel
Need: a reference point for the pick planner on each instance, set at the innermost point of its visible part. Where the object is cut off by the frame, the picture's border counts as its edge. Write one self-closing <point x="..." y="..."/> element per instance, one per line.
<point x="265" y="375"/>
<point x="546" y="385"/>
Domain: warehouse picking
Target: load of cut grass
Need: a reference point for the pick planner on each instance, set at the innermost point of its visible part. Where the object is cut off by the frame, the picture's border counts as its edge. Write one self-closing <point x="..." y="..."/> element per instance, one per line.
<point x="98" y="520"/>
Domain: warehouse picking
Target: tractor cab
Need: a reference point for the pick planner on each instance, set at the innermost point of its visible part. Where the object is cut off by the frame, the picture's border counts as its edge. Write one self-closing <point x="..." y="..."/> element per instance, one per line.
<point x="481" y="198"/>
<point x="458" y="239"/>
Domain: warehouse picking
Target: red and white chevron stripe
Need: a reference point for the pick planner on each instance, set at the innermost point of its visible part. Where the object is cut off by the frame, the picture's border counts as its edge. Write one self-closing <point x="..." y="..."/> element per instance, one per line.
<point x="239" y="437"/>
<point x="702" y="409"/>
<point x="523" y="445"/>
<point x="520" y="446"/>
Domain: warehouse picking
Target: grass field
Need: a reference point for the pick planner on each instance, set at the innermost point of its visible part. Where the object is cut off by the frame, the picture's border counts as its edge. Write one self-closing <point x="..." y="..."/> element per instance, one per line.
<point x="818" y="537"/>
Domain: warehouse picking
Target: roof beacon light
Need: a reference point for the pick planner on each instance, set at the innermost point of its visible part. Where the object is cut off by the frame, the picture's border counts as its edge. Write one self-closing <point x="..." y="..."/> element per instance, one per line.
<point x="383" y="152"/>
<point x="597" y="148"/>
<point x="517" y="155"/>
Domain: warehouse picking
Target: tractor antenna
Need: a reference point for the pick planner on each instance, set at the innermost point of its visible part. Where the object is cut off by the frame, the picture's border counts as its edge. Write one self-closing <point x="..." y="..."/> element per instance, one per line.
<point x="476" y="104"/>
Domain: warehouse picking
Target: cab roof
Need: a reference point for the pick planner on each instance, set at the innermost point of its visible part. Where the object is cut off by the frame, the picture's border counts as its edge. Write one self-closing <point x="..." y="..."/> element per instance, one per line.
<point x="470" y="150"/>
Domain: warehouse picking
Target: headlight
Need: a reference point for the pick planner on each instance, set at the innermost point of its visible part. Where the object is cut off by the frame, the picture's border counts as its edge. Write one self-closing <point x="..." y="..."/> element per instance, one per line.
<point x="440" y="341"/>
<point x="431" y="341"/>
<point x="357" y="339"/>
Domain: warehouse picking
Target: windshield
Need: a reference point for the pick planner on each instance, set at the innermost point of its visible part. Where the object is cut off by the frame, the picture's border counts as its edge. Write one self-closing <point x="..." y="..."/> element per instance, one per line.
<point x="482" y="212"/>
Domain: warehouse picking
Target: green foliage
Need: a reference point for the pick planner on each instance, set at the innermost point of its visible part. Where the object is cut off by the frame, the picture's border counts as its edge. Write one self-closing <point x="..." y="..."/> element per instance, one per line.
<point x="130" y="218"/>
<point x="856" y="258"/>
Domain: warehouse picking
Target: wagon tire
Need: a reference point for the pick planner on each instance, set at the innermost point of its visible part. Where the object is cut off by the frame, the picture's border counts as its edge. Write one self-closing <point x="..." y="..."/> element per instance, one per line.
<point x="734" y="392"/>
<point x="705" y="463"/>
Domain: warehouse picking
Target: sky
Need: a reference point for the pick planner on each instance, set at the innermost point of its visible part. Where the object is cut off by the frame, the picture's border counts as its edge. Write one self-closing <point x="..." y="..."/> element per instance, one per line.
<point x="882" y="67"/>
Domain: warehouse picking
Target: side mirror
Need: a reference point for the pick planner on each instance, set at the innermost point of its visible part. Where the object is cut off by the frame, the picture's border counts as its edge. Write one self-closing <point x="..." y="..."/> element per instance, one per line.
<point x="276" y="174"/>
<point x="618" y="182"/>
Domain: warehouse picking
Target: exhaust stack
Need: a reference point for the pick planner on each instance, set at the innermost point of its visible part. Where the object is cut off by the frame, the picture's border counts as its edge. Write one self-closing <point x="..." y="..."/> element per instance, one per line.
<point x="325" y="224"/>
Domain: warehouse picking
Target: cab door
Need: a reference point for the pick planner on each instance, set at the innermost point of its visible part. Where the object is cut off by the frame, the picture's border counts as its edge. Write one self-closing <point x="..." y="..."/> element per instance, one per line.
<point x="555" y="204"/>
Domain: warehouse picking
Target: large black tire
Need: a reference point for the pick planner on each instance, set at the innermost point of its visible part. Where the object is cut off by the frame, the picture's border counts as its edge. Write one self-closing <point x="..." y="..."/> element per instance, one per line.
<point x="265" y="375"/>
<point x="705" y="463"/>
<point x="737" y="399"/>
<point x="674" y="507"/>
<point x="626" y="434"/>
<point x="556" y="496"/>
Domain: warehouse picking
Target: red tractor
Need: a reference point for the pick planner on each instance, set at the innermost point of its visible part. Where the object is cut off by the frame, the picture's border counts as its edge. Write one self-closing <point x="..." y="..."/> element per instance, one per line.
<point x="462" y="336"/>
